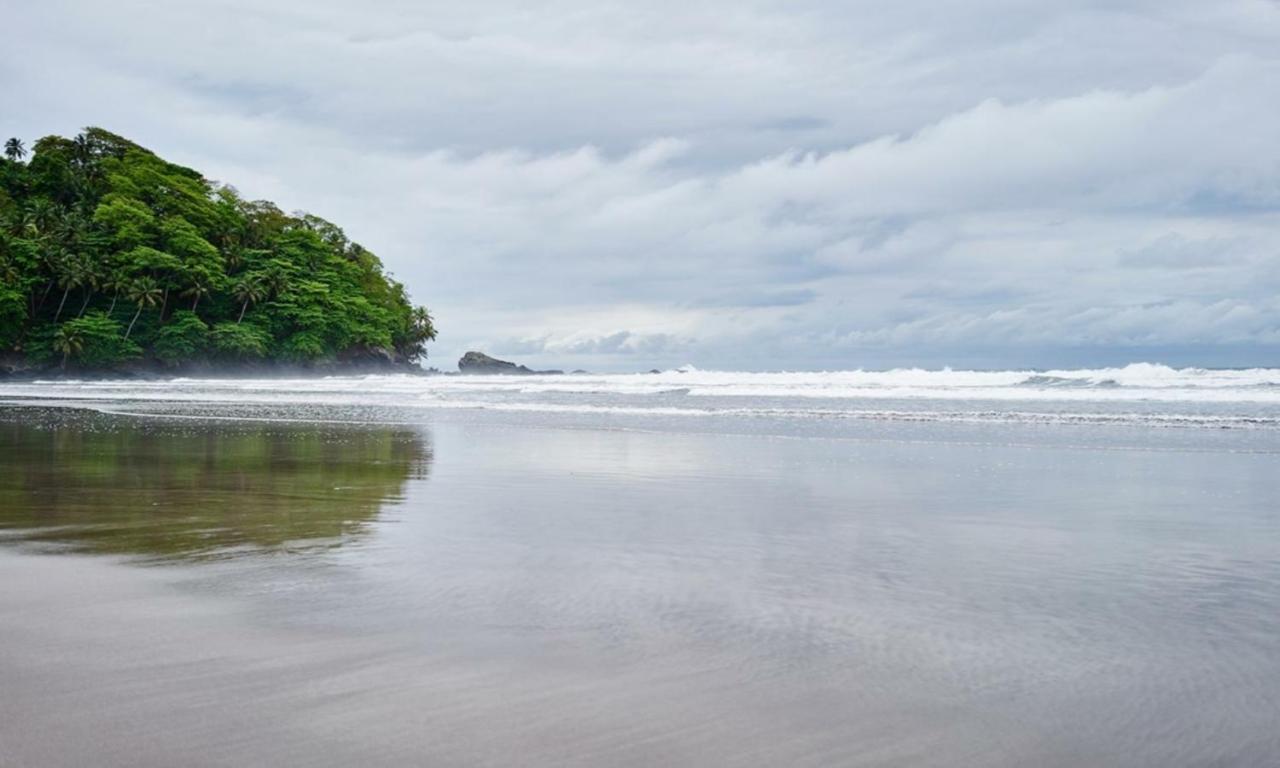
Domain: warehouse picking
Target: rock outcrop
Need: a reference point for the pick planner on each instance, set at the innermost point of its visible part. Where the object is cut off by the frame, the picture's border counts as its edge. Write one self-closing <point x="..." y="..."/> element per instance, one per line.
<point x="480" y="363"/>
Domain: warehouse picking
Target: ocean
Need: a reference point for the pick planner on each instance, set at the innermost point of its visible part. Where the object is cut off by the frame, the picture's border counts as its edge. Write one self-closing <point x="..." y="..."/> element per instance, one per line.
<point x="1141" y="394"/>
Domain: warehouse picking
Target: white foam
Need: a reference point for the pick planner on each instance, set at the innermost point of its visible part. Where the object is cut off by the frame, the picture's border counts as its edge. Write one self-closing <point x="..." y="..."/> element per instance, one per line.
<point x="1145" y="391"/>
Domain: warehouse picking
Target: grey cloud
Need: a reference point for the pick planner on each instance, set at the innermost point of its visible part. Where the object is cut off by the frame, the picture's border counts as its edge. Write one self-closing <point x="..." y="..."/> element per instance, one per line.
<point x="742" y="182"/>
<point x="577" y="345"/>
<point x="959" y="293"/>
<point x="1175" y="252"/>
<point x="761" y="298"/>
<point x="795" y="123"/>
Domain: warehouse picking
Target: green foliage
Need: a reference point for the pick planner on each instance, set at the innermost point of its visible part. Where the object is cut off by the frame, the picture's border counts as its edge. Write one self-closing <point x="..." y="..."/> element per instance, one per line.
<point x="234" y="341"/>
<point x="97" y="229"/>
<point x="13" y="310"/>
<point x="93" y="341"/>
<point x="128" y="221"/>
<point x="184" y="337"/>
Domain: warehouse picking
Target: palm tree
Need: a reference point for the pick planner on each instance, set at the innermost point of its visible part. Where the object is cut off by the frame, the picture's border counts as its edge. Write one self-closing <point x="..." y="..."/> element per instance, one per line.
<point x="23" y="224"/>
<point x="82" y="149"/>
<point x="423" y="328"/>
<point x="44" y="215"/>
<point x="71" y="274"/>
<point x="278" y="281"/>
<point x="70" y="228"/>
<point x="248" y="290"/>
<point x="69" y="341"/>
<point x="164" y="302"/>
<point x="114" y="282"/>
<point x="90" y="281"/>
<point x="199" y="287"/>
<point x="51" y="262"/>
<point x="145" y="292"/>
<point x="419" y="329"/>
<point x="14" y="150"/>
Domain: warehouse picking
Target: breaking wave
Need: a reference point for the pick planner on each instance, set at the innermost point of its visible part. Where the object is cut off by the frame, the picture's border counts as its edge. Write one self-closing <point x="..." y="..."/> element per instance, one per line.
<point x="1141" y="393"/>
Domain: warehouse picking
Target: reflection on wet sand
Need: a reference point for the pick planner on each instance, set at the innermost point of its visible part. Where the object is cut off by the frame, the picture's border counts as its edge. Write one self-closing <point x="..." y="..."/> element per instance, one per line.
<point x="565" y="595"/>
<point x="162" y="489"/>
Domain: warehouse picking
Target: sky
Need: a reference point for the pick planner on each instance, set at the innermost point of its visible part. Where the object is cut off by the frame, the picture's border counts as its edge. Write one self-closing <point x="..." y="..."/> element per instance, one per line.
<point x="735" y="185"/>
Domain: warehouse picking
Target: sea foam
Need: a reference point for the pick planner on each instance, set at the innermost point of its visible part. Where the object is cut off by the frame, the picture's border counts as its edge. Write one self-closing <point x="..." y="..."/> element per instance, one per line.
<point x="1144" y="393"/>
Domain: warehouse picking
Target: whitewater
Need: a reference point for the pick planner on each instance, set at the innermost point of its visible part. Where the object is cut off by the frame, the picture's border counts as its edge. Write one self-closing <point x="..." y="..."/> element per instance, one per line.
<point x="1140" y="394"/>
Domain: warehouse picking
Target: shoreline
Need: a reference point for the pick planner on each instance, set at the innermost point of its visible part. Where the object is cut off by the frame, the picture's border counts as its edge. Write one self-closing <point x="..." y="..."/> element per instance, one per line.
<point x="160" y="372"/>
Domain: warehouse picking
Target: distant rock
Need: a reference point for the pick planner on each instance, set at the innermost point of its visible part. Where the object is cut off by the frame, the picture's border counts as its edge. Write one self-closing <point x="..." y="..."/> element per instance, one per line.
<point x="480" y="363"/>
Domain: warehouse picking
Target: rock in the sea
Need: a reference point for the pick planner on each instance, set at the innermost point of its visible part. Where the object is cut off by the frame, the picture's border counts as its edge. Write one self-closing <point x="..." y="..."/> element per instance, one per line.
<point x="479" y="362"/>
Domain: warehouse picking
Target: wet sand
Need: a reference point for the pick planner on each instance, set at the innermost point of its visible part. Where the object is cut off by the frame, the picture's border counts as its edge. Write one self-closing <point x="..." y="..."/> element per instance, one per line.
<point x="107" y="666"/>
<point x="486" y="593"/>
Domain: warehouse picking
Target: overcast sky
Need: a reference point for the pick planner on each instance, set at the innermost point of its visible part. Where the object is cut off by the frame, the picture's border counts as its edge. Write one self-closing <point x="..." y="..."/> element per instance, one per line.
<point x="732" y="184"/>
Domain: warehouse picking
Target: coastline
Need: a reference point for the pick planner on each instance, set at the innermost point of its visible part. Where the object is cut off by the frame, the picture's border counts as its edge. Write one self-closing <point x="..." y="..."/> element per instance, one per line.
<point x="11" y="371"/>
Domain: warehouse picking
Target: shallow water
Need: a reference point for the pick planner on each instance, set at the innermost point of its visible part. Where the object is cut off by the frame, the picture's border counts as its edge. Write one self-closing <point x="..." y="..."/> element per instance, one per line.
<point x="203" y="581"/>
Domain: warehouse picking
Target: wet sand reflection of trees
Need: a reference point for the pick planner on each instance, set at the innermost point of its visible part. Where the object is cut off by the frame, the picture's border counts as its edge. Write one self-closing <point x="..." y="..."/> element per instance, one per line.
<point x="118" y="485"/>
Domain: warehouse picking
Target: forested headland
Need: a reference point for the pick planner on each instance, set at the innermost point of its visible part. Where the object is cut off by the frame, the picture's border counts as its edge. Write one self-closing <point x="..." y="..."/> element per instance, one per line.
<point x="112" y="258"/>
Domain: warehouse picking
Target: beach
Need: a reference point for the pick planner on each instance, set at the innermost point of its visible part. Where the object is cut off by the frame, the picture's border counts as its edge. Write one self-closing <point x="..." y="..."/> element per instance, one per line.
<point x="676" y="569"/>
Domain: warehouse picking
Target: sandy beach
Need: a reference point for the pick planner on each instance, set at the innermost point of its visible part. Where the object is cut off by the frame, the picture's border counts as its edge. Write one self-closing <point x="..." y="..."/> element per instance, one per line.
<point x="477" y="589"/>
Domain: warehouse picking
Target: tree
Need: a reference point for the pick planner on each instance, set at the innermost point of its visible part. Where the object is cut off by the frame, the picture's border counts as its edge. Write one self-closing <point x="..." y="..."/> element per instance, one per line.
<point x="420" y="321"/>
<point x="101" y="215"/>
<point x="114" y="281"/>
<point x="419" y="330"/>
<point x="89" y="281"/>
<point x="201" y="286"/>
<point x="277" y="280"/>
<point x="13" y="310"/>
<point x="93" y="340"/>
<point x="69" y="340"/>
<point x="72" y="273"/>
<point x="14" y="150"/>
<point x="185" y="337"/>
<point x="247" y="290"/>
<point x="144" y="292"/>
<point x="239" y="342"/>
<point x="9" y="274"/>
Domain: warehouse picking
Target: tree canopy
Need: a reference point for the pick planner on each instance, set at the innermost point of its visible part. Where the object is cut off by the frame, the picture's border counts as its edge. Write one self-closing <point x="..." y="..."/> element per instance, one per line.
<point x="110" y="254"/>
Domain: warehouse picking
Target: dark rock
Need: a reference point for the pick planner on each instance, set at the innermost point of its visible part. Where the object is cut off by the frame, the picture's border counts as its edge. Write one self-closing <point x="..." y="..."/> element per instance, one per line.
<point x="371" y="357"/>
<point x="480" y="363"/>
<point x="16" y="368"/>
<point x="15" y="365"/>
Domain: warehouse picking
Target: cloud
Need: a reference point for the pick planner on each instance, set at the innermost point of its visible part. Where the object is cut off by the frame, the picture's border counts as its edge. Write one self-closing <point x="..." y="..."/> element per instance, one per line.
<point x="762" y="298"/>
<point x="1176" y="252"/>
<point x="747" y="182"/>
